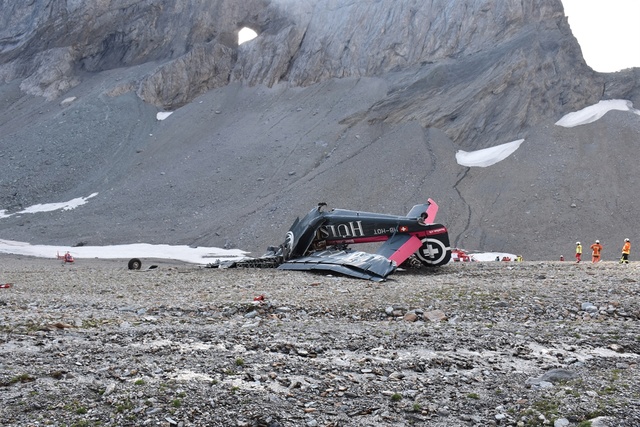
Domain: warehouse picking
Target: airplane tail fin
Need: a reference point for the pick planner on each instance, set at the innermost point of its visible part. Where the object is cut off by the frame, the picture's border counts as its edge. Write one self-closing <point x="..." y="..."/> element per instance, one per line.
<point x="426" y="211"/>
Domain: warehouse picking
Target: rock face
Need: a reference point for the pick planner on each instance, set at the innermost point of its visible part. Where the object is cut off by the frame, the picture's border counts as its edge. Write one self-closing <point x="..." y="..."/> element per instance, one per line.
<point x="497" y="59"/>
<point x="328" y="92"/>
<point x="506" y="65"/>
<point x="91" y="36"/>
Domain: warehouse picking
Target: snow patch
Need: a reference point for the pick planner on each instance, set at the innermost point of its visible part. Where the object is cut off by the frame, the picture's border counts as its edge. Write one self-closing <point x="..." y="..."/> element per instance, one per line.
<point x="67" y="101"/>
<point x="49" y="207"/>
<point x="163" y="115"/>
<point x="594" y="112"/>
<point x="199" y="255"/>
<point x="487" y="156"/>
<point x="491" y="256"/>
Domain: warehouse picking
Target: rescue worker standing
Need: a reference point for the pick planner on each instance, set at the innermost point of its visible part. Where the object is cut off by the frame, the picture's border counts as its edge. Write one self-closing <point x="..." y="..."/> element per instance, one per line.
<point x="596" y="248"/>
<point x="578" y="252"/>
<point x="625" y="252"/>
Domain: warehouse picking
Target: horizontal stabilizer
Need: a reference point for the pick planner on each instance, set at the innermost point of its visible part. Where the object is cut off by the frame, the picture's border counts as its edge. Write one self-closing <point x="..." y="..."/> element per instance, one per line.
<point x="400" y="247"/>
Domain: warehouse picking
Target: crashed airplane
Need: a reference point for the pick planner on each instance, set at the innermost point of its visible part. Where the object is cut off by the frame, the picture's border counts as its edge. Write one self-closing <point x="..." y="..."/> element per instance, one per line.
<point x="320" y="241"/>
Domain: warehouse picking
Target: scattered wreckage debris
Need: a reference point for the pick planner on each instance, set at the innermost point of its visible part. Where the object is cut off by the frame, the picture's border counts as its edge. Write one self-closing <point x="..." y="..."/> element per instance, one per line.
<point x="319" y="241"/>
<point x="460" y="255"/>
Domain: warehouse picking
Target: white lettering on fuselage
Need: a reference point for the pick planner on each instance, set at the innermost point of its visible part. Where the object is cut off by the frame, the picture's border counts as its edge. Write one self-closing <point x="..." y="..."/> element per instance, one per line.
<point x="389" y="230"/>
<point x="349" y="229"/>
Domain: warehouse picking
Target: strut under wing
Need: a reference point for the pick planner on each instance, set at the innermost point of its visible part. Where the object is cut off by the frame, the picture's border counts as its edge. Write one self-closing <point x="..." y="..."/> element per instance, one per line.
<point x="400" y="247"/>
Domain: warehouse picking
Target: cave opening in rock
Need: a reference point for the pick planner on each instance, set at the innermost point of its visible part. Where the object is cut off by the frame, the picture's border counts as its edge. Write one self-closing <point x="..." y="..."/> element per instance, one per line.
<point x="246" y="34"/>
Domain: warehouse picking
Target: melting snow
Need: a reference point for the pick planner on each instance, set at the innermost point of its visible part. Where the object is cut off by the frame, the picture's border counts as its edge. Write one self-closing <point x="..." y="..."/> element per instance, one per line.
<point x="48" y="207"/>
<point x="490" y="156"/>
<point x="487" y="156"/>
<point x="199" y="255"/>
<point x="491" y="256"/>
<point x="594" y="112"/>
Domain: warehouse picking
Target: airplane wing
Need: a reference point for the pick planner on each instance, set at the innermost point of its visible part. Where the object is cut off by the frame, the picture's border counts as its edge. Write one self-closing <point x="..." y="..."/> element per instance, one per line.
<point x="400" y="247"/>
<point x="358" y="264"/>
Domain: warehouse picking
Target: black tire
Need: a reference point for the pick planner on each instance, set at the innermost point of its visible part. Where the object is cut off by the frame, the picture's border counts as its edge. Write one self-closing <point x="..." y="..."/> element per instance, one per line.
<point x="134" y="264"/>
<point x="433" y="252"/>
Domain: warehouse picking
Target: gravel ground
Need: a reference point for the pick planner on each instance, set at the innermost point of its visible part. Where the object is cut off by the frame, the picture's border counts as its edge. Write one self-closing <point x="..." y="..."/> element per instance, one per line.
<point x="517" y="344"/>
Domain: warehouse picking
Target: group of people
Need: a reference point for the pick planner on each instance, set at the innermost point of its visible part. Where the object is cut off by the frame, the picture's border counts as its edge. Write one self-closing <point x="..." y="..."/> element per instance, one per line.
<point x="596" y="250"/>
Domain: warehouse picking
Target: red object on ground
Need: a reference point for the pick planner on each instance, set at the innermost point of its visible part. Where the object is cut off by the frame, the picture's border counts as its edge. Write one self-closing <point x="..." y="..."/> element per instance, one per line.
<point x="66" y="258"/>
<point x="459" y="255"/>
<point x="6" y="285"/>
<point x="259" y="298"/>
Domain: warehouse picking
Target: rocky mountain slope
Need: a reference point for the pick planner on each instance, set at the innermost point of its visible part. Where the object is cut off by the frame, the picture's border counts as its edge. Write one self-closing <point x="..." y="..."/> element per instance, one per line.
<point x="359" y="104"/>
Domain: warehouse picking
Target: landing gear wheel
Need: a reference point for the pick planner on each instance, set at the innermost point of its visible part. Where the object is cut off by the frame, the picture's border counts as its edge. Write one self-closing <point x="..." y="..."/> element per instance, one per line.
<point x="433" y="252"/>
<point x="287" y="246"/>
<point x="134" y="264"/>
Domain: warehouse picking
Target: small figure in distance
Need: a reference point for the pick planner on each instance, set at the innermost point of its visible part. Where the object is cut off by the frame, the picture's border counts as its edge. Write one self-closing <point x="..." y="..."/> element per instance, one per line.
<point x="578" y="252"/>
<point x="596" y="249"/>
<point x="625" y="252"/>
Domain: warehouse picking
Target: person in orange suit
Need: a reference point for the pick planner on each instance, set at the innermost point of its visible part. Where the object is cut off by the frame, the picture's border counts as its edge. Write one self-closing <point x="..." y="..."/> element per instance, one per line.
<point x="625" y="252"/>
<point x="596" y="248"/>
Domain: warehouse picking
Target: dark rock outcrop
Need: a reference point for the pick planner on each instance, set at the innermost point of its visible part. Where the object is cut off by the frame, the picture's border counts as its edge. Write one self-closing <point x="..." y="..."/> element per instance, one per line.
<point x="76" y="37"/>
<point x="478" y="69"/>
